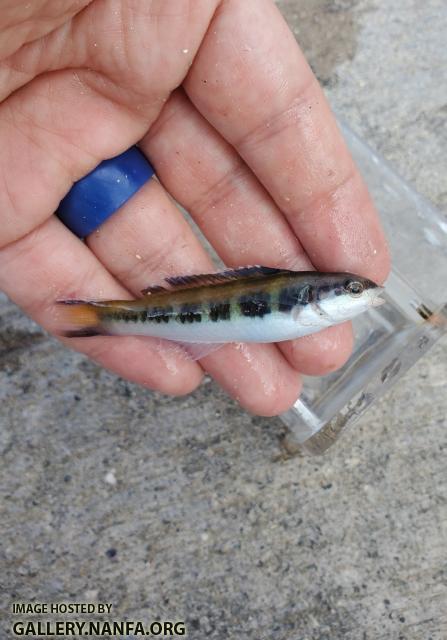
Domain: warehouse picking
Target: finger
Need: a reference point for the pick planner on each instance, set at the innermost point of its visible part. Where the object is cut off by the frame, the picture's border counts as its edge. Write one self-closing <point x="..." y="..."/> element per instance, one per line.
<point x="51" y="263"/>
<point x="235" y="212"/>
<point x="252" y="83"/>
<point x="148" y="239"/>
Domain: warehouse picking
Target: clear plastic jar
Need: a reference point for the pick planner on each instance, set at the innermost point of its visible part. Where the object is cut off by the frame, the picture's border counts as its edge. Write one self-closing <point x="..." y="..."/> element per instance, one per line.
<point x="391" y="338"/>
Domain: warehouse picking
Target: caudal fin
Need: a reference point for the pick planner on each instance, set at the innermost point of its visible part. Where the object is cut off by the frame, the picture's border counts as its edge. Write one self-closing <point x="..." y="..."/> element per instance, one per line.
<point x="81" y="318"/>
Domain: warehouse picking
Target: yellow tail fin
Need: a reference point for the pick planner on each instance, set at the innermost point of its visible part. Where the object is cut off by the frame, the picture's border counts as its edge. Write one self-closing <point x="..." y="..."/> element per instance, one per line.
<point x="84" y="318"/>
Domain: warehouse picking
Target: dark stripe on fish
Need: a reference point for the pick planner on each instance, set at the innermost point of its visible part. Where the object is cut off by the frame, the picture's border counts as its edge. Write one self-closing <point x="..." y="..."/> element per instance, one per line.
<point x="189" y="314"/>
<point x="256" y="305"/>
<point x="289" y="297"/>
<point x="159" y="314"/>
<point x="220" y="311"/>
<point x="154" y="314"/>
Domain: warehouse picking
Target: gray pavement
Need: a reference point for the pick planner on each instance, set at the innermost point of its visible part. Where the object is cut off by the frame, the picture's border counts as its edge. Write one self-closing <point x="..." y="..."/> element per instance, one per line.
<point x="183" y="508"/>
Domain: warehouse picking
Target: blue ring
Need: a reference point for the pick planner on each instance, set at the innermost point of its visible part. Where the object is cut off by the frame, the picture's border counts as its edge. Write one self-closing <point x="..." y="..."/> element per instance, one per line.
<point x="100" y="193"/>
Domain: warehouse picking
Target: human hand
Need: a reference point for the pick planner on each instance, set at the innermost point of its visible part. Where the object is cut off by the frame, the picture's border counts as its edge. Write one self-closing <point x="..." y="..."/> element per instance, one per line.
<point x="237" y="128"/>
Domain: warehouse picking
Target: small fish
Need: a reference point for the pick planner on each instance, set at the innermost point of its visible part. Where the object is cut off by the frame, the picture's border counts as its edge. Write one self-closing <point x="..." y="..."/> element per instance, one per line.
<point x="249" y="304"/>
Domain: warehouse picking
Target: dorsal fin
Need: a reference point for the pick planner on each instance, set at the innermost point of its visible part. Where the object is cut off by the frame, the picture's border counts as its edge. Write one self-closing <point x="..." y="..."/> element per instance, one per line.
<point x="201" y="279"/>
<point x="154" y="288"/>
<point x="197" y="280"/>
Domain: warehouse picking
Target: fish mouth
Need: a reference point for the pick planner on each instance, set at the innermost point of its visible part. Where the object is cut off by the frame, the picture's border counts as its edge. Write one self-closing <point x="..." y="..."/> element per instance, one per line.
<point x="376" y="300"/>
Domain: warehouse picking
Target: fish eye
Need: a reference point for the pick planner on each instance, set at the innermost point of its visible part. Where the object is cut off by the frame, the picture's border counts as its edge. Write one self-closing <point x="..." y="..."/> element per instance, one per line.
<point x="354" y="288"/>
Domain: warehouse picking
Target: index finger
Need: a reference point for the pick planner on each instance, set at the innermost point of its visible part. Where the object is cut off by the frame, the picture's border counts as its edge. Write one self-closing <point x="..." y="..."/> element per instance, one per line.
<point x="253" y="84"/>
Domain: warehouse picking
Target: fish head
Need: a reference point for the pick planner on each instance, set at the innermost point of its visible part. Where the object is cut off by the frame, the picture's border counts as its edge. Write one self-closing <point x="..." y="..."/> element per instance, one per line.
<point x="343" y="296"/>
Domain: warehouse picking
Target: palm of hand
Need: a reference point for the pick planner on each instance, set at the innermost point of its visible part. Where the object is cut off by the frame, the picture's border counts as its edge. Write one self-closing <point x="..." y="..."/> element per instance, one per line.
<point x="223" y="103"/>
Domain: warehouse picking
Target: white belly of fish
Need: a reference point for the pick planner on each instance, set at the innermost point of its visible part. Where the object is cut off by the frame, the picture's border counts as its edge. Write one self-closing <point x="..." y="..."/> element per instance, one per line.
<point x="274" y="327"/>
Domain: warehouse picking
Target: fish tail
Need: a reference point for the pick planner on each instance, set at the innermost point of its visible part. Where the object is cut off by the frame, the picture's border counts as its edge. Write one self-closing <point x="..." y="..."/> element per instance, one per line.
<point x="85" y="318"/>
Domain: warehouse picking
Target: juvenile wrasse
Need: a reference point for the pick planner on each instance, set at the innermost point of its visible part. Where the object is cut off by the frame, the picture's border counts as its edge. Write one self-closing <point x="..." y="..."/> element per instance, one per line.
<point x="250" y="304"/>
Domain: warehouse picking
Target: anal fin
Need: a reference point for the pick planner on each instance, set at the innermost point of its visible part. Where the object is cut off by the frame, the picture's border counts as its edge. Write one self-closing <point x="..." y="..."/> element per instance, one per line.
<point x="192" y="350"/>
<point x="198" y="350"/>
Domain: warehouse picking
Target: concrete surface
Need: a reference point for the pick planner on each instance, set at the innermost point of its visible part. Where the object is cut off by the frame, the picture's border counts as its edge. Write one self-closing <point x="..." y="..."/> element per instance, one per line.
<point x="182" y="509"/>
